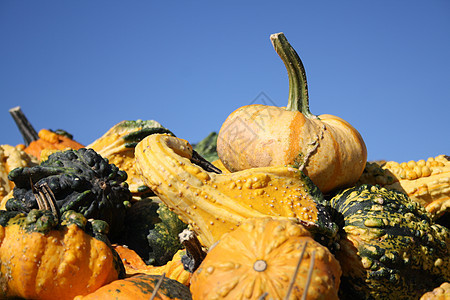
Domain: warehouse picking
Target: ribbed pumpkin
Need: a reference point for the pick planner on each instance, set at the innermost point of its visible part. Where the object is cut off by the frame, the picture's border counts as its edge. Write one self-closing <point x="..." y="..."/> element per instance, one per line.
<point x="259" y="261"/>
<point x="327" y="148"/>
<point x="141" y="287"/>
<point x="214" y="204"/>
<point x="42" y="258"/>
<point x="390" y="248"/>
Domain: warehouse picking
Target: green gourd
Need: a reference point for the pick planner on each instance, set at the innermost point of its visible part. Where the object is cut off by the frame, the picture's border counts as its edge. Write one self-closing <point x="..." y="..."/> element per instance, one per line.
<point x="389" y="248"/>
<point x="151" y="230"/>
<point x="80" y="180"/>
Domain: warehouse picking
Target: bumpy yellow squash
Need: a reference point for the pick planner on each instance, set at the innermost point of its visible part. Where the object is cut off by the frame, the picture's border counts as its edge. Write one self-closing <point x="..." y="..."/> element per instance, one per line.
<point x="214" y="204"/>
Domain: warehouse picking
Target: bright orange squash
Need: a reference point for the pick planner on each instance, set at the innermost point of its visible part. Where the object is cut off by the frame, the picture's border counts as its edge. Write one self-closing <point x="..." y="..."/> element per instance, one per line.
<point x="327" y="148"/>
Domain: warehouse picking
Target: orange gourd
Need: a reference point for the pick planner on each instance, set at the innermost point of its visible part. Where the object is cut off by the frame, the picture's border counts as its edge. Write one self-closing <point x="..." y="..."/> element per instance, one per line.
<point x="327" y="148"/>
<point x="135" y="265"/>
<point x="213" y="204"/>
<point x="141" y="286"/>
<point x="49" y="140"/>
<point x="267" y="258"/>
<point x="42" y="258"/>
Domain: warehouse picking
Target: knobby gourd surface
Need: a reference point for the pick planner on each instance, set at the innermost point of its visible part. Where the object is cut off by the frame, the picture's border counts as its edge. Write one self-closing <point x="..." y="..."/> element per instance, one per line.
<point x="390" y="247"/>
<point x="260" y="259"/>
<point x="214" y="204"/>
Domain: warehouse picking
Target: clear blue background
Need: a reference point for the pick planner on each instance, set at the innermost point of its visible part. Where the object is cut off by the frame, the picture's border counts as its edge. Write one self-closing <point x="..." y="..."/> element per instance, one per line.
<point x="84" y="66"/>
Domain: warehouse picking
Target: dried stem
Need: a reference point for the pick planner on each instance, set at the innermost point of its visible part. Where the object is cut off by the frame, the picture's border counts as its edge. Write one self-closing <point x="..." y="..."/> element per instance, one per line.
<point x="45" y="198"/>
<point x="203" y="163"/>
<point x="28" y="132"/>
<point x="194" y="250"/>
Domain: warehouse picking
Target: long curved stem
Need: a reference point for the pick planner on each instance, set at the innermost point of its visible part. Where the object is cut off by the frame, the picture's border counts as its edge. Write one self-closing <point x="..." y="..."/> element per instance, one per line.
<point x="298" y="87"/>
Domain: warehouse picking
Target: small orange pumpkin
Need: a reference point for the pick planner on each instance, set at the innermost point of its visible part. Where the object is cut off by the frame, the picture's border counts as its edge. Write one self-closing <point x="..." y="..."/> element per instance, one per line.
<point x="267" y="258"/>
<point x="141" y="286"/>
<point x="327" y="148"/>
<point x="42" y="258"/>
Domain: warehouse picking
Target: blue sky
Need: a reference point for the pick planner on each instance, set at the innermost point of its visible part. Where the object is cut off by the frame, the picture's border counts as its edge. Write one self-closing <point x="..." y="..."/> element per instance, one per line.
<point x="84" y="66"/>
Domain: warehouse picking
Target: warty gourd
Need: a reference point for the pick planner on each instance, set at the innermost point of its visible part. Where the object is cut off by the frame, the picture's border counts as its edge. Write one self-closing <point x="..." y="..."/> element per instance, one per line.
<point x="426" y="182"/>
<point x="214" y="204"/>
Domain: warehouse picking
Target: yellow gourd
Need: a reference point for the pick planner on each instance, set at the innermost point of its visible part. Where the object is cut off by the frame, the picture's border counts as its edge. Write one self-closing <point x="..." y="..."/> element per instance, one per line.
<point x="10" y="158"/>
<point x="214" y="204"/>
<point x="425" y="181"/>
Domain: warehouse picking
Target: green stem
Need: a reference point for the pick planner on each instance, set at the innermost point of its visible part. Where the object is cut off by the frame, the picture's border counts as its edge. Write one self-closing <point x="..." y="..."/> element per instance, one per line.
<point x="298" y="87"/>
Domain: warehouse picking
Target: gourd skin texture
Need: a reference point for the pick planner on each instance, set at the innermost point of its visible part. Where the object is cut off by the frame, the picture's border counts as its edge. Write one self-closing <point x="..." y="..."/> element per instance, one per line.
<point x="286" y="138"/>
<point x="390" y="247"/>
<point x="140" y="286"/>
<point x="151" y="230"/>
<point x="426" y="182"/>
<point x="51" y="140"/>
<point x="10" y="158"/>
<point x="261" y="257"/>
<point x="40" y="260"/>
<point x="173" y="269"/>
<point x="117" y="145"/>
<point x="442" y="292"/>
<point x="214" y="204"/>
<point x="327" y="148"/>
<point x="80" y="180"/>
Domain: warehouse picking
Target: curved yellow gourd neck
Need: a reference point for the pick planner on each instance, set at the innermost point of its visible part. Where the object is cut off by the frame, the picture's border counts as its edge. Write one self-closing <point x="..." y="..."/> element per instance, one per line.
<point x="214" y="204"/>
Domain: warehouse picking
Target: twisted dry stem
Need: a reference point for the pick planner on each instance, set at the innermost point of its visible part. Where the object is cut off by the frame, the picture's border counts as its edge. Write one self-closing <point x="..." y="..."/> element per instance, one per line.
<point x="45" y="198"/>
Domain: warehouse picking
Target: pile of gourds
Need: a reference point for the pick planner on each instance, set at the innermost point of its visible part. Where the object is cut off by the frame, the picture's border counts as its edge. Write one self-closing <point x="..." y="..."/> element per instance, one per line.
<point x="280" y="204"/>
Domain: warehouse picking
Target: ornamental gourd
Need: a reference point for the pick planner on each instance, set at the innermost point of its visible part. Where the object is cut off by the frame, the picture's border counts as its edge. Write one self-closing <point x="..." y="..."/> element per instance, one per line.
<point x="327" y="148"/>
<point x="117" y="145"/>
<point x="46" y="139"/>
<point x="267" y="258"/>
<point x="426" y="182"/>
<point x="152" y="230"/>
<point x="141" y="287"/>
<point x="10" y="158"/>
<point x="214" y="204"/>
<point x="46" y="258"/>
<point x="52" y="140"/>
<point x="81" y="180"/>
<point x="173" y="269"/>
<point x="442" y="292"/>
<point x="390" y="249"/>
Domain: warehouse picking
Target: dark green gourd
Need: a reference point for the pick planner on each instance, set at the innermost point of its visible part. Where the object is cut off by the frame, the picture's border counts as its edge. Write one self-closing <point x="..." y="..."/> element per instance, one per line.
<point x="152" y="230"/>
<point x="389" y="247"/>
<point x="80" y="180"/>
